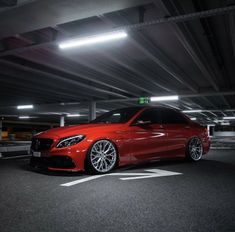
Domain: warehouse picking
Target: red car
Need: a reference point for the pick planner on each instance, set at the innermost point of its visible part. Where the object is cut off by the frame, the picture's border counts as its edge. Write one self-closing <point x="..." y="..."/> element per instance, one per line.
<point x="120" y="137"/>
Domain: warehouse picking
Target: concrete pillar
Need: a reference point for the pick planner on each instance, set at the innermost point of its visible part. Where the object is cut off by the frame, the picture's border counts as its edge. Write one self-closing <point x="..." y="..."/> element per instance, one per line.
<point x="61" y="121"/>
<point x="0" y="129"/>
<point x="210" y="129"/>
<point x="92" y="110"/>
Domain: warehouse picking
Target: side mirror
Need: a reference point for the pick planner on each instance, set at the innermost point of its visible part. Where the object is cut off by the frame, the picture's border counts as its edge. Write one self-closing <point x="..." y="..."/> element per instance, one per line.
<point x="141" y="123"/>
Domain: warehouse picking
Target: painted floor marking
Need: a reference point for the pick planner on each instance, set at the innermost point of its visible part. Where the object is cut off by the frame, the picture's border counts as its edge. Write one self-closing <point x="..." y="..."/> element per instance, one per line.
<point x="81" y="180"/>
<point x="154" y="173"/>
<point x="133" y="176"/>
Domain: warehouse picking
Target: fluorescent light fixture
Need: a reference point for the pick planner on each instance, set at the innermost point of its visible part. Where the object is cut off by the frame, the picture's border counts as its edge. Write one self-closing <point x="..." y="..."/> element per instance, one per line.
<point x="73" y="115"/>
<point x="116" y="114"/>
<point x="24" y="117"/>
<point x="193" y="119"/>
<point x="164" y="98"/>
<point x="228" y="118"/>
<point x="217" y="120"/>
<point x="25" y="107"/>
<point x="96" y="39"/>
<point x="225" y="124"/>
<point x="192" y="111"/>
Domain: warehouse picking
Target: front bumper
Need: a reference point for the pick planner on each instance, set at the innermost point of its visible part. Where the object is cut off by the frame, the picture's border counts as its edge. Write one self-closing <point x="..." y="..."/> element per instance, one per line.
<point x="55" y="162"/>
<point x="66" y="159"/>
<point x="70" y="158"/>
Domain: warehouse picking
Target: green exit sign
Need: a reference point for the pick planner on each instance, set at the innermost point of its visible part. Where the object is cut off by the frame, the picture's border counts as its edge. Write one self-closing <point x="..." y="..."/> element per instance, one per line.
<point x="143" y="100"/>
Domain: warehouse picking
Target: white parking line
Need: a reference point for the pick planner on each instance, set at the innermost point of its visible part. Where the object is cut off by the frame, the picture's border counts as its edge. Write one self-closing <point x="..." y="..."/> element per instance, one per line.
<point x="155" y="173"/>
<point x="81" y="180"/>
<point x="135" y="176"/>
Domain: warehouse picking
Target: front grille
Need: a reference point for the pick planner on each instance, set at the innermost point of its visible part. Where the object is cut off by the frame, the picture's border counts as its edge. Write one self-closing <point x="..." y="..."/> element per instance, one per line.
<point x="52" y="162"/>
<point x="41" y="144"/>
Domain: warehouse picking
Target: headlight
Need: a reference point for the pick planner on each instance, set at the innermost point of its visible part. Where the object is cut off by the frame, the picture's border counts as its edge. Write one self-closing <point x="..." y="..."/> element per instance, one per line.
<point x="69" y="141"/>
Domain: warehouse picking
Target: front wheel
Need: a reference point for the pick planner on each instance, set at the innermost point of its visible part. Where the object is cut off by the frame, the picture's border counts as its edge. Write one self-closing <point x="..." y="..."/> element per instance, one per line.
<point x="102" y="157"/>
<point x="195" y="149"/>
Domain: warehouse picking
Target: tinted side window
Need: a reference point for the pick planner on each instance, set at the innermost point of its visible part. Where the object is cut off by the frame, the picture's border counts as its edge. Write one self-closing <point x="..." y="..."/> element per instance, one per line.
<point x="117" y="116"/>
<point x="152" y="115"/>
<point x="170" y="116"/>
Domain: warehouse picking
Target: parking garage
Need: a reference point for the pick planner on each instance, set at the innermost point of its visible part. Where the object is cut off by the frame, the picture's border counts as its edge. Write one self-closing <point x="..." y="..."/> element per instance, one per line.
<point x="65" y="63"/>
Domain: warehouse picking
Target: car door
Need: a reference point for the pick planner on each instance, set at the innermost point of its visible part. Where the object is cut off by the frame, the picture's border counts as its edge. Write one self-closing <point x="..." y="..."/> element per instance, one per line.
<point x="148" y="136"/>
<point x="177" y="127"/>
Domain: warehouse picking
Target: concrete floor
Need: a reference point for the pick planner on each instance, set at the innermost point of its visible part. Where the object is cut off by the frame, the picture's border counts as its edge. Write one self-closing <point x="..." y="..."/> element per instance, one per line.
<point x="201" y="199"/>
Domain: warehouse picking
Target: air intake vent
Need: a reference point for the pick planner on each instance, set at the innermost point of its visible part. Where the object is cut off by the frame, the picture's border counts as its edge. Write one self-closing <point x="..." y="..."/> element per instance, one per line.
<point x="41" y="144"/>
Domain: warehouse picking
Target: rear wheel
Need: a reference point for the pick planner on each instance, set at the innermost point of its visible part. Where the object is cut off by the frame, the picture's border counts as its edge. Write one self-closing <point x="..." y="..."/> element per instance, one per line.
<point x="102" y="157"/>
<point x="195" y="149"/>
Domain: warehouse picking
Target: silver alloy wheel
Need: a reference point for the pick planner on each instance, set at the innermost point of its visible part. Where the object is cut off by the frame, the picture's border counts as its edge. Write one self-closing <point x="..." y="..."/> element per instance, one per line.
<point x="195" y="149"/>
<point x="103" y="156"/>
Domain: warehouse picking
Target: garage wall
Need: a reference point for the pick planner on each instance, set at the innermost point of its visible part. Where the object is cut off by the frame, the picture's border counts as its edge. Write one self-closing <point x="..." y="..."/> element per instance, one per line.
<point x="224" y="133"/>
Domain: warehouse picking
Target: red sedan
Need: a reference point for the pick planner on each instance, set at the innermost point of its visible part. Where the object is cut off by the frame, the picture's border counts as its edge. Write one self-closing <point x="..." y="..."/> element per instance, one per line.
<point x="120" y="137"/>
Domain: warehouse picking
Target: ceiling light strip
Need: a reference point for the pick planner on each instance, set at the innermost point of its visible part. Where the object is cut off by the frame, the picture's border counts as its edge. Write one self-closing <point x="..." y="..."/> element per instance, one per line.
<point x="96" y="39"/>
<point x="164" y="98"/>
<point x="21" y="107"/>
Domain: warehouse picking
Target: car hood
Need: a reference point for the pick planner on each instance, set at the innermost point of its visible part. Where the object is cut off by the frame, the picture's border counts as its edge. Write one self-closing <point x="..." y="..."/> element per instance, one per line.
<point x="66" y="131"/>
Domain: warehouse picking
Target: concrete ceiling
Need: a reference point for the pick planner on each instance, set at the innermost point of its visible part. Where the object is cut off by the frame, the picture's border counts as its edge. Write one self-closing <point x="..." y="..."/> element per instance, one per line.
<point x="194" y="59"/>
<point x="6" y="5"/>
<point x="49" y="13"/>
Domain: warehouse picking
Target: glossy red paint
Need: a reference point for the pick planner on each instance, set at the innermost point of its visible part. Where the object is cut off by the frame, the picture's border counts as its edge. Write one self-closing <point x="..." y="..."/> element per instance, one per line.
<point x="134" y="143"/>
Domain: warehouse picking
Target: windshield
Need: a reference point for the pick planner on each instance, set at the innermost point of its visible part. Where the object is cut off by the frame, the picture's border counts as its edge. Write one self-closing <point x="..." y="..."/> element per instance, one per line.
<point x="117" y="116"/>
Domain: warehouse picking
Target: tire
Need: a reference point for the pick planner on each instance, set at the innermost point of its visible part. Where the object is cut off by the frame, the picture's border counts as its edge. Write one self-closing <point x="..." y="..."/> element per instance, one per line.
<point x="102" y="157"/>
<point x="194" y="149"/>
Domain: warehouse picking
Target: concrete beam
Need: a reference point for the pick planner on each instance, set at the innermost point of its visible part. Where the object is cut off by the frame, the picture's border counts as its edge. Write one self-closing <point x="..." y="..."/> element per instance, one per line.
<point x="47" y="13"/>
<point x="181" y="95"/>
<point x="191" y="46"/>
<point x="63" y="78"/>
<point x="83" y="74"/>
<point x="155" y="54"/>
<point x="173" y="19"/>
